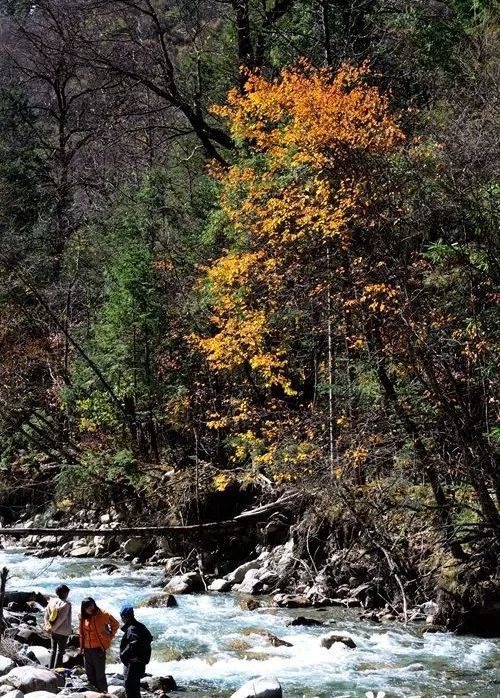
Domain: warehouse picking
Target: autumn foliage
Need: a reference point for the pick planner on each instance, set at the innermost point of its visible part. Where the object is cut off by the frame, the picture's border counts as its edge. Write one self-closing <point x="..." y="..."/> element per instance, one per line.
<point x="294" y="208"/>
<point x="324" y="311"/>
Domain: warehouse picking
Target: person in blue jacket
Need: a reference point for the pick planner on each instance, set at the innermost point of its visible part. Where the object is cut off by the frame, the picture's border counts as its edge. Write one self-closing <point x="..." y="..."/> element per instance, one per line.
<point x="135" y="651"/>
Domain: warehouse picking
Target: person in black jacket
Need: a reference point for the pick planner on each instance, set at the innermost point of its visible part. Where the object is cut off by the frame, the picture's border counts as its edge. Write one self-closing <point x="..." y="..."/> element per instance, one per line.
<point x="135" y="651"/>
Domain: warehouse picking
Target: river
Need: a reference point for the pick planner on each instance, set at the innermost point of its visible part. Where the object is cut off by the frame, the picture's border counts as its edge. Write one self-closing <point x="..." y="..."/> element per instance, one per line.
<point x="209" y="643"/>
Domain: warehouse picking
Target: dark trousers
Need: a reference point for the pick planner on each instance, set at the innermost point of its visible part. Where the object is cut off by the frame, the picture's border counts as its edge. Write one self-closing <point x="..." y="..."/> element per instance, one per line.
<point x="133" y="674"/>
<point x="59" y="643"/>
<point x="95" y="664"/>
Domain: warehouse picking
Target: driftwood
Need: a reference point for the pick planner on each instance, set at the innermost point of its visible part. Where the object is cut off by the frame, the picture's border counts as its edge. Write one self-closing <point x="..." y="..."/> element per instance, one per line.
<point x="241" y="520"/>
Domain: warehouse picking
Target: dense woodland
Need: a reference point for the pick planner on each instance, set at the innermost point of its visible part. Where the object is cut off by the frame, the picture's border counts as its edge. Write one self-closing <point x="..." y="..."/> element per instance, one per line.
<point x="250" y="247"/>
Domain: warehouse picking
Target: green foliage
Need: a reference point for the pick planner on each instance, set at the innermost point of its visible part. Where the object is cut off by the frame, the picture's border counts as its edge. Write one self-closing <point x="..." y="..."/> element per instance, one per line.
<point x="145" y="222"/>
<point x="98" y="477"/>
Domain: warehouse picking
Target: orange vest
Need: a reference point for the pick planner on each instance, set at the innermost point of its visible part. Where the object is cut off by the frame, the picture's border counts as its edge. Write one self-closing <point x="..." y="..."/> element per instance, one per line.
<point x="93" y="631"/>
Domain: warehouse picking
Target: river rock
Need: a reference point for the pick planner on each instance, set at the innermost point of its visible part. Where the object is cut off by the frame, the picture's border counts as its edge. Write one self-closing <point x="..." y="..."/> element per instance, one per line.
<point x="302" y="620"/>
<point x="238" y="575"/>
<point x="185" y="584"/>
<point x="45" y="553"/>
<point x="42" y="654"/>
<point x="65" y="547"/>
<point x="161" y="601"/>
<point x="291" y="601"/>
<point x="172" y="563"/>
<point x="277" y="641"/>
<point x="82" y="551"/>
<point x="72" y="658"/>
<point x="10" y="618"/>
<point x="220" y="585"/>
<point x="6" y="664"/>
<point x="260" y="688"/>
<point x="251" y="582"/>
<point x="29" y="636"/>
<point x="29" y="679"/>
<point x="118" y="691"/>
<point x="108" y="567"/>
<point x="48" y="541"/>
<point x="158" y="683"/>
<point x="24" y="598"/>
<point x="282" y="559"/>
<point x="429" y="610"/>
<point x="39" y="694"/>
<point x="328" y="640"/>
<point x="249" y="604"/>
<point x="133" y="546"/>
<point x="12" y="694"/>
<point x="115" y="679"/>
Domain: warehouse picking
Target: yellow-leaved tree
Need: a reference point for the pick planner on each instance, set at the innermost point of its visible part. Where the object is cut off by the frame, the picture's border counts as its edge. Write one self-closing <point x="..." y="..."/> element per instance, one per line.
<point x="297" y="208"/>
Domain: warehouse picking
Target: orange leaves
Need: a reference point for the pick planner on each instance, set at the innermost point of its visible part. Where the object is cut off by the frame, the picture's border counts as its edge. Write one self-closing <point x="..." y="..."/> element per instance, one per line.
<point x="309" y="116"/>
<point x="299" y="192"/>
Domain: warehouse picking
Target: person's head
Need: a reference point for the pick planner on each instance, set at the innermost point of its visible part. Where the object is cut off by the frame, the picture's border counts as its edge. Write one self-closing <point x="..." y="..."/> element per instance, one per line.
<point x="62" y="591"/>
<point x="88" y="607"/>
<point x="127" y="613"/>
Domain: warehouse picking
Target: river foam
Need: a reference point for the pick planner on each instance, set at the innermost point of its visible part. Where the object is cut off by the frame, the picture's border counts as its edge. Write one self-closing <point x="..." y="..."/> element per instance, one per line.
<point x="209" y="641"/>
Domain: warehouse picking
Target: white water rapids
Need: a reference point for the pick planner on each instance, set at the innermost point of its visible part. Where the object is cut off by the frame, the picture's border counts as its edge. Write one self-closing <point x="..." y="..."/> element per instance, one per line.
<point x="208" y="643"/>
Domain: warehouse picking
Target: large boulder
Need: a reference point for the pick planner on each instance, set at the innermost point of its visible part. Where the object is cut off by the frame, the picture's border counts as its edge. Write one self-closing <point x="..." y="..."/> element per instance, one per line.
<point x="285" y="559"/>
<point x="185" y="584"/>
<point x="23" y="599"/>
<point x="133" y="546"/>
<point x="220" y="585"/>
<point x="31" y="636"/>
<point x="6" y="664"/>
<point x="42" y="654"/>
<point x="29" y="679"/>
<point x="251" y="582"/>
<point x="259" y="581"/>
<point x="238" y="575"/>
<point x="39" y="694"/>
<point x="48" y="541"/>
<point x="260" y="688"/>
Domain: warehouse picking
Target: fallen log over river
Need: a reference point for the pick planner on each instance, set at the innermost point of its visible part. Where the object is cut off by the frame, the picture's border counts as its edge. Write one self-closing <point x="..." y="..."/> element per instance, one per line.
<point x="239" y="521"/>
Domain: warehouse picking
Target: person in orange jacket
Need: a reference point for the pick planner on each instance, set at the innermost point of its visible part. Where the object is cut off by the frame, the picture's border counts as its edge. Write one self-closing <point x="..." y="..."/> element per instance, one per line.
<point x="97" y="630"/>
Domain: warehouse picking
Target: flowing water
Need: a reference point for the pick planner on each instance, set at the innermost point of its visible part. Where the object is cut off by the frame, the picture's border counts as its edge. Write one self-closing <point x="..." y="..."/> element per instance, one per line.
<point x="209" y="643"/>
